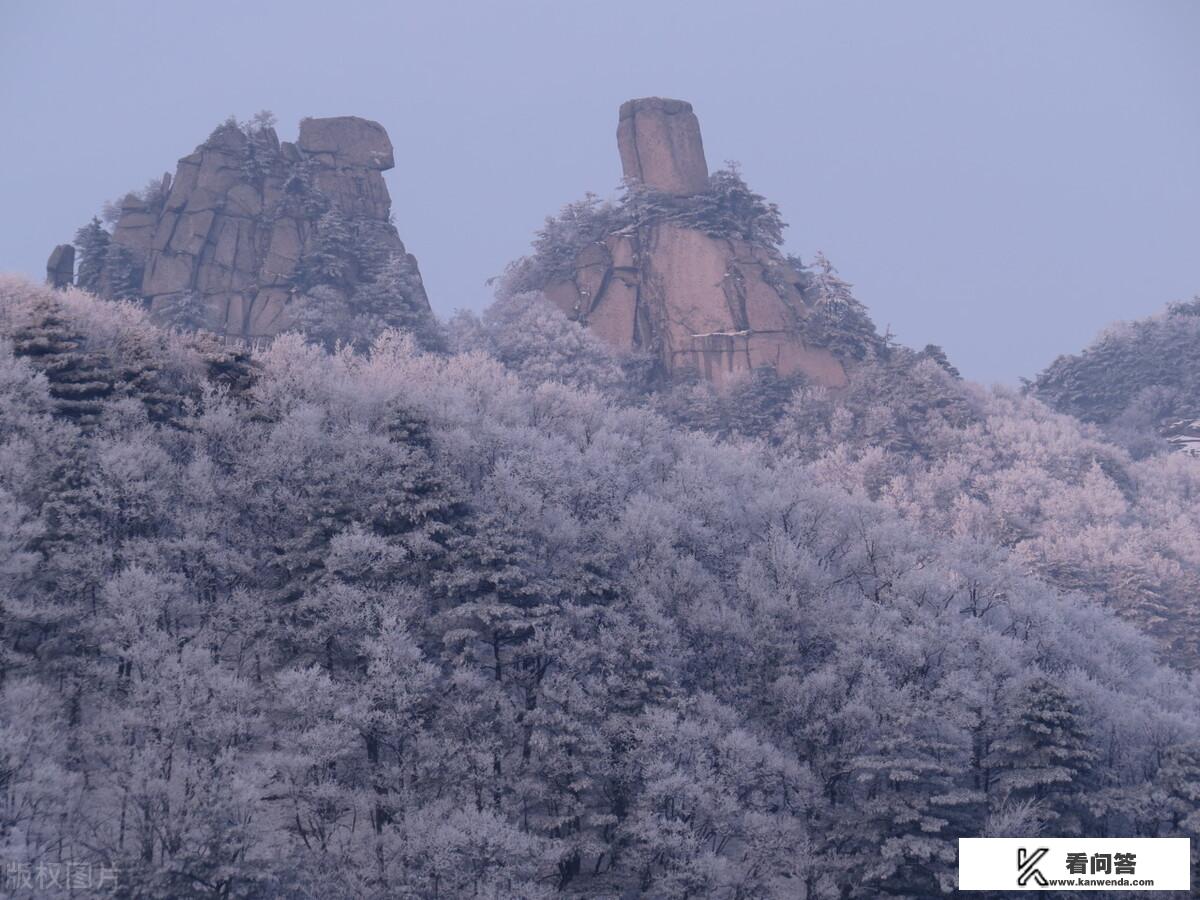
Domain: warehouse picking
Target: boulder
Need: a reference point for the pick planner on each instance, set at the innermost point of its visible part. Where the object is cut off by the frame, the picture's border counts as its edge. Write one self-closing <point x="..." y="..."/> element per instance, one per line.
<point x="349" y="140"/>
<point x="60" y="267"/>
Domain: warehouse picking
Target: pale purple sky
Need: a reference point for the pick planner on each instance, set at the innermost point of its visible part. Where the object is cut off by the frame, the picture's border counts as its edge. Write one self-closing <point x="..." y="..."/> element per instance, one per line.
<point x="1002" y="178"/>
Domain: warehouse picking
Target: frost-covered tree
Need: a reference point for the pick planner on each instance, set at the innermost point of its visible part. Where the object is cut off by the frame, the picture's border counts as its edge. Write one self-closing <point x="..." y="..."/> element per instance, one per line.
<point x="185" y="311"/>
<point x="538" y="343"/>
<point x="122" y="279"/>
<point x="91" y="243"/>
<point x="329" y="257"/>
<point x="390" y="622"/>
<point x="1113" y="374"/>
<point x="1044" y="754"/>
<point x="837" y="319"/>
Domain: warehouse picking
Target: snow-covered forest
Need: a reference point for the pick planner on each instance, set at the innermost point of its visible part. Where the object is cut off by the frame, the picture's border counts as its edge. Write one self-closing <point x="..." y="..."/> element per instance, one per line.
<point x="499" y="621"/>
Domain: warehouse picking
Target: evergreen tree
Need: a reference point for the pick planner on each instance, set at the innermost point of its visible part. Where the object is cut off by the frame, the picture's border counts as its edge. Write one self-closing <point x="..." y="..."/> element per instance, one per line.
<point x="91" y="243"/>
<point x="122" y="278"/>
<point x="912" y="808"/>
<point x="330" y="256"/>
<point x="1044" y="755"/>
<point x="938" y="355"/>
<point x="1180" y="779"/>
<point x="80" y="379"/>
<point x="494" y="605"/>
<point x="756" y="403"/>
<point x="394" y="298"/>
<point x="185" y="311"/>
<point x="839" y="321"/>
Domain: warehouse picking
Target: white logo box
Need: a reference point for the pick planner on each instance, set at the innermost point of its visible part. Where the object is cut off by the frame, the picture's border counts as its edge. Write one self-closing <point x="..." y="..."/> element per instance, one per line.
<point x="1054" y="864"/>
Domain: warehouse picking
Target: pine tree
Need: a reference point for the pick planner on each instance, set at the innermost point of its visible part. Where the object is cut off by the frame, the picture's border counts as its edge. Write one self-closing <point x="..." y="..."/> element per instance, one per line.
<point x="186" y="311"/>
<point x="1044" y="755"/>
<point x="1180" y="778"/>
<point x="730" y="209"/>
<point x="493" y="603"/>
<point x="756" y="404"/>
<point x="122" y="279"/>
<point x="938" y="355"/>
<point x="330" y="256"/>
<point x="839" y="321"/>
<point x="394" y="298"/>
<point x="80" y="380"/>
<point x="910" y="811"/>
<point x="91" y="242"/>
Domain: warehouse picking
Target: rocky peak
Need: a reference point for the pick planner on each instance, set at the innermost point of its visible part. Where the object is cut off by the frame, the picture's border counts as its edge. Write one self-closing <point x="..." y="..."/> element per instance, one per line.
<point x="677" y="282"/>
<point x="660" y="145"/>
<point x="241" y="237"/>
<point x="347" y="142"/>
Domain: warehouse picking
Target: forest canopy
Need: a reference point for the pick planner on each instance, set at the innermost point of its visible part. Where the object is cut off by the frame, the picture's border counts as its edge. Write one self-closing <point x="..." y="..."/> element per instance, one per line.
<point x="287" y="621"/>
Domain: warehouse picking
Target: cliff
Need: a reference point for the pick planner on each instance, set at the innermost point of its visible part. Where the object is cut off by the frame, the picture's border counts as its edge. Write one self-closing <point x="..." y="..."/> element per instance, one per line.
<point x="700" y="298"/>
<point x="239" y="238"/>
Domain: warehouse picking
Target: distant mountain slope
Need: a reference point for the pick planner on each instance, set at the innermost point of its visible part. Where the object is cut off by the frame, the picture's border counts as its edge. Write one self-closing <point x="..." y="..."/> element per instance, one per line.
<point x="1138" y="376"/>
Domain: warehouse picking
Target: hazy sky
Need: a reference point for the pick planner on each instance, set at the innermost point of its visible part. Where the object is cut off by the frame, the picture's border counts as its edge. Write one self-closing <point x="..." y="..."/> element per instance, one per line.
<point x="1001" y="178"/>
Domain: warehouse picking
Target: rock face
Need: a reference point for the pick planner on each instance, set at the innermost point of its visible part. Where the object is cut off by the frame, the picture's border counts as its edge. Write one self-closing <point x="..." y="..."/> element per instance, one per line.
<point x="660" y="145"/>
<point x="60" y="267"/>
<point x="228" y="233"/>
<point x="722" y="306"/>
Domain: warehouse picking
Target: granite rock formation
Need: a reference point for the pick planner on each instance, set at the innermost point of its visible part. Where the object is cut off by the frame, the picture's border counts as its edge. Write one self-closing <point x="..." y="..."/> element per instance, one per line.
<point x="60" y="267"/>
<point x="721" y="305"/>
<point x="660" y="145"/>
<point x="230" y="237"/>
